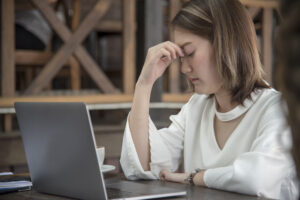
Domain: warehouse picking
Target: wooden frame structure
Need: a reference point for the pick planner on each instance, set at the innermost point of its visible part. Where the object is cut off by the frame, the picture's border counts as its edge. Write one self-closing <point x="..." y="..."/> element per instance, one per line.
<point x="268" y="7"/>
<point x="72" y="45"/>
<point x="71" y="51"/>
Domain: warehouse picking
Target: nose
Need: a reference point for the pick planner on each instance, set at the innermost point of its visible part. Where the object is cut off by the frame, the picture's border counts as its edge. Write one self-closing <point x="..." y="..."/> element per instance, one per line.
<point x="185" y="66"/>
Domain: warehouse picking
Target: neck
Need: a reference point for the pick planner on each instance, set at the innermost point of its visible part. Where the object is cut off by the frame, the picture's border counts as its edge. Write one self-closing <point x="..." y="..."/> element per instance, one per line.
<point x="223" y="100"/>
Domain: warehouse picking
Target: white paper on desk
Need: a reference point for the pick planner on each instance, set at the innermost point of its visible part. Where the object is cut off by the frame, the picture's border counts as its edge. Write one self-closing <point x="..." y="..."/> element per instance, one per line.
<point x="15" y="184"/>
<point x="5" y="173"/>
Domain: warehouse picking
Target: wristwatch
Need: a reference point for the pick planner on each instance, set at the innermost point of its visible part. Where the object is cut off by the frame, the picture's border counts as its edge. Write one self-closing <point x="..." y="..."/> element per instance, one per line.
<point x="190" y="178"/>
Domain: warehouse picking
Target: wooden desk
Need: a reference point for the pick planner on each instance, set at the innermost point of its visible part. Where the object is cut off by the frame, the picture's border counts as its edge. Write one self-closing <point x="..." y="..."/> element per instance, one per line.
<point x="193" y="192"/>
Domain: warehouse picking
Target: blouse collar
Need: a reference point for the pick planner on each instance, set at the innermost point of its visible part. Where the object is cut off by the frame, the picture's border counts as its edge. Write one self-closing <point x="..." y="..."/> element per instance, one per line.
<point x="238" y="110"/>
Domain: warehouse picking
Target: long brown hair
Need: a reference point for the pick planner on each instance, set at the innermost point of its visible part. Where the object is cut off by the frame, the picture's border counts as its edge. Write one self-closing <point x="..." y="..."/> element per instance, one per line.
<point x="229" y="28"/>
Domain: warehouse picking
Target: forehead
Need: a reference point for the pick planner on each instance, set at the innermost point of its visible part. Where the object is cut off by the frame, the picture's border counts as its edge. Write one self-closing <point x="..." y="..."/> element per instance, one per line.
<point x="182" y="37"/>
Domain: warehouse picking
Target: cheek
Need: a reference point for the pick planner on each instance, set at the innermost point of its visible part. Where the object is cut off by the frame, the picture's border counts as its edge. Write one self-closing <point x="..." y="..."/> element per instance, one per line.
<point x="206" y="70"/>
<point x="202" y="63"/>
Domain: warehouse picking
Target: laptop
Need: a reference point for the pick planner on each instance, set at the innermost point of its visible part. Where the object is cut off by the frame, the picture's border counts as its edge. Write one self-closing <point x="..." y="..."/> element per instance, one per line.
<point x="60" y="149"/>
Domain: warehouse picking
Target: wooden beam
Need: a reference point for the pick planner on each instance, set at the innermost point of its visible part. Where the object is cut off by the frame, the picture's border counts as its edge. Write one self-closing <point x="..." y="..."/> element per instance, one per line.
<point x="168" y="97"/>
<point x="75" y="72"/>
<point x="129" y="64"/>
<point x="8" y="102"/>
<point x="7" y="123"/>
<point x="76" y="14"/>
<point x="7" y="48"/>
<point x="109" y="26"/>
<point x="267" y="43"/>
<point x="28" y="57"/>
<point x="261" y="3"/>
<point x="7" y="54"/>
<point x="88" y="63"/>
<point x="253" y="11"/>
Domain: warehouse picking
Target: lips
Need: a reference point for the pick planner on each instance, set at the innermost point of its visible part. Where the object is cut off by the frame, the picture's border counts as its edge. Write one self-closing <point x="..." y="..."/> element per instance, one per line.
<point x="193" y="79"/>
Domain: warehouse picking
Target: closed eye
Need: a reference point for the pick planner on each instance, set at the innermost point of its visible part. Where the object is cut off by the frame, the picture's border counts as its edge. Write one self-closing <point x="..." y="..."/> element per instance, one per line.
<point x="191" y="54"/>
<point x="181" y="59"/>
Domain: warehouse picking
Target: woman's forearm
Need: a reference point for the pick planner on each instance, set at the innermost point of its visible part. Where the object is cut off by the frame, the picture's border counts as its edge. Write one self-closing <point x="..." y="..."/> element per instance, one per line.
<point x="179" y="177"/>
<point x="139" y="122"/>
<point x="158" y="59"/>
<point x="198" y="178"/>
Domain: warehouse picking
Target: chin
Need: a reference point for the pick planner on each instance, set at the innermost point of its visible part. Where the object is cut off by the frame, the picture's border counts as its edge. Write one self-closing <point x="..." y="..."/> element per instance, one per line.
<point x="199" y="90"/>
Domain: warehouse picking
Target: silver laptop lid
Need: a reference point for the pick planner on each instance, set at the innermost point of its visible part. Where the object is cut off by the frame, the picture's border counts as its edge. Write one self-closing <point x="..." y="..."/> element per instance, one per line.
<point x="60" y="149"/>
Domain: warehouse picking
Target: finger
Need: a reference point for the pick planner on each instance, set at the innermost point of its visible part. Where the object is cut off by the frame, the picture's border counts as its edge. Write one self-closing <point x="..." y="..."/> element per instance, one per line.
<point x="166" y="59"/>
<point x="165" y="55"/>
<point x="160" y="175"/>
<point x="178" y="49"/>
<point x="175" y="48"/>
<point x="171" y="49"/>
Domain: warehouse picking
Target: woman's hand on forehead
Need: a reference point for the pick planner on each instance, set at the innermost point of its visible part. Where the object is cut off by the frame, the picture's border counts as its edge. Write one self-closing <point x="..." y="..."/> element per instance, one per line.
<point x="159" y="57"/>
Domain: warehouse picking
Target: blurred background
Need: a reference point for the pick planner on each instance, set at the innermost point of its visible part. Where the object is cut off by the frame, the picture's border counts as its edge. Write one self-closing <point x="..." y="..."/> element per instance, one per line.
<point x="92" y="51"/>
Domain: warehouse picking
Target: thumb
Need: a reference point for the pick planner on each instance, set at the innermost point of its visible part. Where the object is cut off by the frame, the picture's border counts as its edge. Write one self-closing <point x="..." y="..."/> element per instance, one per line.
<point x="162" y="176"/>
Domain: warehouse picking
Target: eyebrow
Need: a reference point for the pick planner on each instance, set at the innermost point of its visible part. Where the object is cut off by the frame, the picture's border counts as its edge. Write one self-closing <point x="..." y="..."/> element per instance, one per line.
<point x="185" y="44"/>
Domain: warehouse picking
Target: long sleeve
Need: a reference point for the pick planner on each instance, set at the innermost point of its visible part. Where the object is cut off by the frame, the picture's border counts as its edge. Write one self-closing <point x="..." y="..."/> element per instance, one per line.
<point x="265" y="168"/>
<point x="166" y="146"/>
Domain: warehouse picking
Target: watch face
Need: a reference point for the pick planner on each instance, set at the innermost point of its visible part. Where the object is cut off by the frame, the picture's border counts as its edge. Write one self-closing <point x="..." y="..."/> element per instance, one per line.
<point x="190" y="178"/>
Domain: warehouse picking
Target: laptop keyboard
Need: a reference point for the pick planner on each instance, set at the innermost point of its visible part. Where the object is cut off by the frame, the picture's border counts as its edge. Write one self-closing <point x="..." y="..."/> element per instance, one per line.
<point x="117" y="193"/>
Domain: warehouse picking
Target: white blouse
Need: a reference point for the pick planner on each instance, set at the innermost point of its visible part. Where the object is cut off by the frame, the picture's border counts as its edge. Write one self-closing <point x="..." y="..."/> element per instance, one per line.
<point x="255" y="159"/>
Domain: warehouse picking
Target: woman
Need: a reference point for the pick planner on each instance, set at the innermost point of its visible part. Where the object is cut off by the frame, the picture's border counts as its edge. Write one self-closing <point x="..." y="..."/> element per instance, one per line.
<point x="228" y="134"/>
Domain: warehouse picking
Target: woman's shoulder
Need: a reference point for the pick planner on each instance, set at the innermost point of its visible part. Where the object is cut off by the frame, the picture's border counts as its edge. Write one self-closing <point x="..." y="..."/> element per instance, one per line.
<point x="268" y="96"/>
<point x="269" y="105"/>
